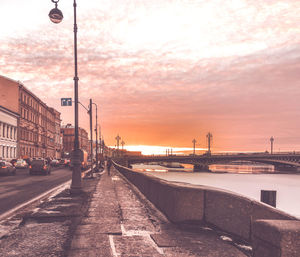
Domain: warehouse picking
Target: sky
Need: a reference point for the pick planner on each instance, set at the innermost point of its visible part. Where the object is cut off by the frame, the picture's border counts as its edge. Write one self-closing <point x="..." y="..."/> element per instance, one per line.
<point x="165" y="72"/>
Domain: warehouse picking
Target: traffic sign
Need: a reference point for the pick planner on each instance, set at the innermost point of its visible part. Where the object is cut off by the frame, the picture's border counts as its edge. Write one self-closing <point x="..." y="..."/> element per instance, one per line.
<point x="66" y="101"/>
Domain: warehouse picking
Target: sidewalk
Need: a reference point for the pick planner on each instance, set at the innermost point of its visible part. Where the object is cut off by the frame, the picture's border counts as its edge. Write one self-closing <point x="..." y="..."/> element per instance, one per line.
<point x="121" y="222"/>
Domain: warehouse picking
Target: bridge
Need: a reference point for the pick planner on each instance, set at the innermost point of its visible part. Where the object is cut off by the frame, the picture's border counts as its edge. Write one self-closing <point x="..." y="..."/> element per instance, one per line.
<point x="283" y="161"/>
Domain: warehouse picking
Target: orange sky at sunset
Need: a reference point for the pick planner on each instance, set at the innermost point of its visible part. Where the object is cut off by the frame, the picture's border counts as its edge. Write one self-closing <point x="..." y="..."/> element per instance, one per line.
<point x="165" y="72"/>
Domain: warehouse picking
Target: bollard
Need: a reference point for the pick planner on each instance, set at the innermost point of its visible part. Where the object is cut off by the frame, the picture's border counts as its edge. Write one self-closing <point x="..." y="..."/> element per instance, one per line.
<point x="268" y="197"/>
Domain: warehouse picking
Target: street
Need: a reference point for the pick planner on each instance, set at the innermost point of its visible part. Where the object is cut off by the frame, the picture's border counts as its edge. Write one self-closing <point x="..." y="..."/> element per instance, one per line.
<point x="18" y="189"/>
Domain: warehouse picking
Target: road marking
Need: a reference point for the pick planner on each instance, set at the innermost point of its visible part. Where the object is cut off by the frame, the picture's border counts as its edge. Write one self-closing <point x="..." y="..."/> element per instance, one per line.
<point x="10" y="212"/>
<point x="112" y="246"/>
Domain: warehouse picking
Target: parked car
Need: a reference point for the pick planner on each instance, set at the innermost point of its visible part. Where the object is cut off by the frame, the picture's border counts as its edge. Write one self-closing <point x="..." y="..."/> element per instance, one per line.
<point x="13" y="162"/>
<point x="54" y="163"/>
<point x="21" y="164"/>
<point x="40" y="166"/>
<point x="64" y="162"/>
<point x="7" y="168"/>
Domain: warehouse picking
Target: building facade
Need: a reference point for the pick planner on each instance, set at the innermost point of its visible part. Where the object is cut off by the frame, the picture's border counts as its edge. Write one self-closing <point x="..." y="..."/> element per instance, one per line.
<point x="8" y="134"/>
<point x="37" y="123"/>
<point x="68" y="132"/>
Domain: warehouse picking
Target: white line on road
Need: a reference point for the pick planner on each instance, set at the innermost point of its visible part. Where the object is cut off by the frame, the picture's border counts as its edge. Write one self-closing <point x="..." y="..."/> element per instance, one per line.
<point x="57" y="189"/>
<point x="112" y="246"/>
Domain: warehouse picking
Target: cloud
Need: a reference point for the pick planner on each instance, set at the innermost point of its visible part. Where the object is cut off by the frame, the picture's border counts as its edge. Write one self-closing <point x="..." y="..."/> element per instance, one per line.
<point x="165" y="72"/>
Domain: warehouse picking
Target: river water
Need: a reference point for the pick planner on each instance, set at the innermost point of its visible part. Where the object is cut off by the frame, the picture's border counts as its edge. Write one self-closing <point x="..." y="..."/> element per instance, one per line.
<point x="247" y="180"/>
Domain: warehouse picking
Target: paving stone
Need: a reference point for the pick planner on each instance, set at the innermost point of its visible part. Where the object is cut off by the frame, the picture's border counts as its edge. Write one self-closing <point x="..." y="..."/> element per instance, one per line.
<point x="92" y="241"/>
<point x="90" y="253"/>
<point x="121" y="223"/>
<point x="134" y="245"/>
<point x="103" y="227"/>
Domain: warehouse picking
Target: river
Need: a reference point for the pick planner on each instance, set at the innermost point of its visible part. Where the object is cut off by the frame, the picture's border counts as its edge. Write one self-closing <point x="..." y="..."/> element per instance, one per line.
<point x="247" y="180"/>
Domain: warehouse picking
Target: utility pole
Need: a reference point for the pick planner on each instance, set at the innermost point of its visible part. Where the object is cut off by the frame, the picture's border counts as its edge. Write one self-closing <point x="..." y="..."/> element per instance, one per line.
<point x="272" y="140"/>
<point x="209" y="141"/>
<point x="91" y="132"/>
<point x="194" y="146"/>
<point x="97" y="160"/>
<point x="100" y="141"/>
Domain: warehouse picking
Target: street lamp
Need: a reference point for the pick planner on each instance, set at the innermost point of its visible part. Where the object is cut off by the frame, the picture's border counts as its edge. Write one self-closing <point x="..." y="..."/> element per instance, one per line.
<point x="272" y="140"/>
<point x="56" y="16"/>
<point x="96" y="130"/>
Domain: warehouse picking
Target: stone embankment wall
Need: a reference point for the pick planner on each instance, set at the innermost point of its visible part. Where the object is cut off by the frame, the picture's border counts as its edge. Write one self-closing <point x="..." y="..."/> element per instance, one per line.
<point x="271" y="232"/>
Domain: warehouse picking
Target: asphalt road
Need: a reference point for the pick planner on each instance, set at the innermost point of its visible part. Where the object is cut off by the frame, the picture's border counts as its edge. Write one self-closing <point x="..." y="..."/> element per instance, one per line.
<point x="18" y="189"/>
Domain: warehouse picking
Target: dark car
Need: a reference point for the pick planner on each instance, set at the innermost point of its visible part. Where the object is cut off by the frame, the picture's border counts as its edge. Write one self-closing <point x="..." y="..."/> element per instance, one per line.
<point x="39" y="166"/>
<point x="7" y="168"/>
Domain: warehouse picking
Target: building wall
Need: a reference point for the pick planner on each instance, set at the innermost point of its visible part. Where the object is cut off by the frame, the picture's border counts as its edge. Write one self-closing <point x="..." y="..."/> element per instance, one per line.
<point x="37" y="125"/>
<point x="69" y="136"/>
<point x="9" y="94"/>
<point x="8" y="134"/>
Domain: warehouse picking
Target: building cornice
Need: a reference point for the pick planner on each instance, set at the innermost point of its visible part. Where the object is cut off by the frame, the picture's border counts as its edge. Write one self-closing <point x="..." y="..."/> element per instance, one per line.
<point x="3" y="109"/>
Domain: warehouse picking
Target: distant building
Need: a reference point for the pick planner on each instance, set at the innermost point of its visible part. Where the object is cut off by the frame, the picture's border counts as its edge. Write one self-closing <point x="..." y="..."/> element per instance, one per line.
<point x="8" y="133"/>
<point x="37" y="123"/>
<point x="68" y="132"/>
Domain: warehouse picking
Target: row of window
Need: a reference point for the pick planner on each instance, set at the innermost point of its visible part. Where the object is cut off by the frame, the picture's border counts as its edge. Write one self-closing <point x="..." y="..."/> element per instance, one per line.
<point x="31" y="116"/>
<point x="8" y="152"/>
<point x="34" y="137"/>
<point x="8" y="131"/>
<point x="29" y="151"/>
<point x="47" y="117"/>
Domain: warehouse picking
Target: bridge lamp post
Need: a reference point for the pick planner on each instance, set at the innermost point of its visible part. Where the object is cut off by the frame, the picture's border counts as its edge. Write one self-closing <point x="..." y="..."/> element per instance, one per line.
<point x="194" y="146"/>
<point x="56" y="16"/>
<point x="118" y="138"/>
<point x="209" y="139"/>
<point x="272" y="140"/>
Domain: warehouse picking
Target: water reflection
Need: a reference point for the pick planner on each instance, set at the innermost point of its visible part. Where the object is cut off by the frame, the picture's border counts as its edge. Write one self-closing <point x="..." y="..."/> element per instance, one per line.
<point x="242" y="168"/>
<point x="215" y="168"/>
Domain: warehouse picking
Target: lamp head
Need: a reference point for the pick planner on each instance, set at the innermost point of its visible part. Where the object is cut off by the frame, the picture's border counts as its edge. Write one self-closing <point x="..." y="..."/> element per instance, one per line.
<point x="55" y="14"/>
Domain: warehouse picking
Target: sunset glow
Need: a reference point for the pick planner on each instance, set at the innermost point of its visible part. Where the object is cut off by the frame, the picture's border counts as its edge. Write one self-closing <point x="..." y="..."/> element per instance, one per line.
<point x="165" y="72"/>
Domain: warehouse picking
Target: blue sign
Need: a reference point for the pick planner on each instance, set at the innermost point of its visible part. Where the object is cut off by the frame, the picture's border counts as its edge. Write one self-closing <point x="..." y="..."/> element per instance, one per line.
<point x="66" y="101"/>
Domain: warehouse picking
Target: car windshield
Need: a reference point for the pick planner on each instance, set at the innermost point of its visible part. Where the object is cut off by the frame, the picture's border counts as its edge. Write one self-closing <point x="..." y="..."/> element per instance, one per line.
<point x="20" y="161"/>
<point x="2" y="164"/>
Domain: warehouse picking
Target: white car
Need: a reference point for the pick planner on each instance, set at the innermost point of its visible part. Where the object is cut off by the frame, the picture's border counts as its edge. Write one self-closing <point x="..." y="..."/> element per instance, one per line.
<point x="21" y="164"/>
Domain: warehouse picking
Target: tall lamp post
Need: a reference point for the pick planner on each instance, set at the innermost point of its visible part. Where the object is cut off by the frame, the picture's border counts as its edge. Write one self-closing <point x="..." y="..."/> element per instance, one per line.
<point x="56" y="16"/>
<point x="91" y="132"/>
<point x="96" y="130"/>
